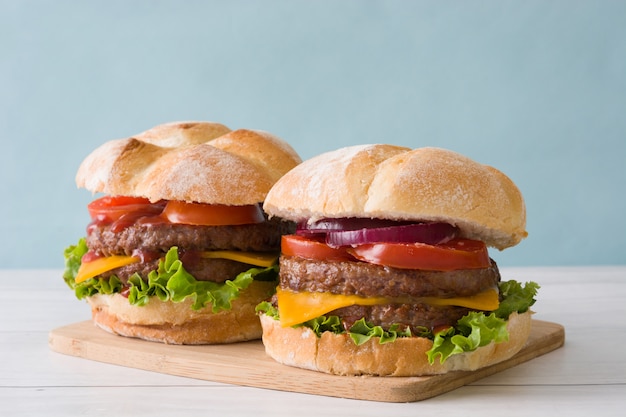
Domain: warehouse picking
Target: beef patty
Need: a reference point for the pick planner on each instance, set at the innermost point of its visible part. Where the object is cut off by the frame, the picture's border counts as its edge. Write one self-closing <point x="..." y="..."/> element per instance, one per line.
<point x="216" y="270"/>
<point x="369" y="280"/>
<point x="415" y="316"/>
<point x="153" y="240"/>
<point x="159" y="237"/>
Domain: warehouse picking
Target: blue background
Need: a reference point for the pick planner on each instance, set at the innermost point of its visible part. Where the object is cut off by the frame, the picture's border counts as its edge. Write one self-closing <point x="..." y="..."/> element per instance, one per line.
<point x="534" y="88"/>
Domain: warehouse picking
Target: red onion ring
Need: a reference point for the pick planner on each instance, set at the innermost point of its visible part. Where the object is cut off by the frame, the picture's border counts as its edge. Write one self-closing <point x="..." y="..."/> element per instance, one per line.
<point x="345" y="223"/>
<point x="358" y="231"/>
<point x="429" y="233"/>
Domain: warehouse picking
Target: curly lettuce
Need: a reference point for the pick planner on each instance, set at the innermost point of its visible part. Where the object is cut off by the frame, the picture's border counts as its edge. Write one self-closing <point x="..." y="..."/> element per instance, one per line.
<point x="169" y="282"/>
<point x="472" y="331"/>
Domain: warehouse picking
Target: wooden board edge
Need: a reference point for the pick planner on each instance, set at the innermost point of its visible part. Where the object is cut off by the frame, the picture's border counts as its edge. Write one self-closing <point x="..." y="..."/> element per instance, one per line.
<point x="542" y="344"/>
<point x="86" y="341"/>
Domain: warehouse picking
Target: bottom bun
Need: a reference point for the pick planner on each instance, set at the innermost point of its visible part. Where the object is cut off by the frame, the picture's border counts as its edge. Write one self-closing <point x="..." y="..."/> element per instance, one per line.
<point x="178" y="323"/>
<point x="337" y="354"/>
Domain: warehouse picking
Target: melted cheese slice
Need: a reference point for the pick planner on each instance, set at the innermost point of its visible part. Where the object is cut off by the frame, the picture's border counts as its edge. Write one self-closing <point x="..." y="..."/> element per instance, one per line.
<point x="252" y="258"/>
<point x="101" y="265"/>
<point x="298" y="307"/>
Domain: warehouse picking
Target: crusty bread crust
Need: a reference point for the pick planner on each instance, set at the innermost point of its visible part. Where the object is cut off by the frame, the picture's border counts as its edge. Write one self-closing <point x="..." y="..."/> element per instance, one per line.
<point x="337" y="354"/>
<point x="200" y="162"/>
<point x="178" y="323"/>
<point x="385" y="181"/>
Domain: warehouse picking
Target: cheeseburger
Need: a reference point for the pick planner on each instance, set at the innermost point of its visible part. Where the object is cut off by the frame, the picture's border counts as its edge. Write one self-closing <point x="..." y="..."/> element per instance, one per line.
<point x="179" y="249"/>
<point x="388" y="272"/>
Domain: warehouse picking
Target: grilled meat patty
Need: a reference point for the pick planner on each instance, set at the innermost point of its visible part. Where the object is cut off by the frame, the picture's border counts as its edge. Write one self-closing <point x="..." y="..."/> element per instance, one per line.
<point x="159" y="237"/>
<point x="152" y="240"/>
<point x="369" y="280"/>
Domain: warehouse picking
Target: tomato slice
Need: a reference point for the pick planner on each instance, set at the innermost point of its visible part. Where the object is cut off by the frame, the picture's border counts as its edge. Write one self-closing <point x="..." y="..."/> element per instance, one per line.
<point x="312" y="248"/>
<point x="110" y="208"/>
<point x="212" y="214"/>
<point x="452" y="255"/>
<point x="127" y="210"/>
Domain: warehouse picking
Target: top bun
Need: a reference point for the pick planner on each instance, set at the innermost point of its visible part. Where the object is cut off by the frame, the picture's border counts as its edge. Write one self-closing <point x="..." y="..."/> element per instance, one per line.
<point x="200" y="162"/>
<point x="392" y="182"/>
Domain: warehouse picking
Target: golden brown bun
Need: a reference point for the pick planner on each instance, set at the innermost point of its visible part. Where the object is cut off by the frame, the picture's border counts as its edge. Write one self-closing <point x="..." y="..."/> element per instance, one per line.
<point x="392" y="182"/>
<point x="177" y="323"/>
<point x="337" y="354"/>
<point x="189" y="161"/>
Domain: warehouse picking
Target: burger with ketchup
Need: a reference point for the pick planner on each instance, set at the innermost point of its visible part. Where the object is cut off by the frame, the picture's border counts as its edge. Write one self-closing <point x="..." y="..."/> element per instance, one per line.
<point x="179" y="249"/>
<point x="388" y="272"/>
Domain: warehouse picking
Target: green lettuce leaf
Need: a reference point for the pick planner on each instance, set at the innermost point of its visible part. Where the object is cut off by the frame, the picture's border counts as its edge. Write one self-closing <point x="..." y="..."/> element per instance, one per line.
<point x="472" y="331"/>
<point x="268" y="309"/>
<point x="361" y="332"/>
<point x="324" y="324"/>
<point x="73" y="254"/>
<point x="170" y="281"/>
<point x="478" y="329"/>
<point x="516" y="298"/>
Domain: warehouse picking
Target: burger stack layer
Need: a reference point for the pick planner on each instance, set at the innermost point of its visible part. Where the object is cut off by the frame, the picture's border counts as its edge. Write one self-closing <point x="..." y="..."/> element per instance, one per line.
<point x="179" y="249"/>
<point x="388" y="271"/>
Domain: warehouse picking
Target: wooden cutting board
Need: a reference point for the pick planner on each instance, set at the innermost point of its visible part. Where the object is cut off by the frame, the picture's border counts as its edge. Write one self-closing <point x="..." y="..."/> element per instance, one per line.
<point x="247" y="364"/>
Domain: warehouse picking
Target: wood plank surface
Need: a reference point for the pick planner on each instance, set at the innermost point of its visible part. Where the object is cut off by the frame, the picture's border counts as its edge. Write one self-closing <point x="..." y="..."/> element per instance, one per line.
<point x="247" y="364"/>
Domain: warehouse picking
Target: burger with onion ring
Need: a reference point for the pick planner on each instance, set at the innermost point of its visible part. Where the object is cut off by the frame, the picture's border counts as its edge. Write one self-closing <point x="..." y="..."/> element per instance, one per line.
<point x="388" y="272"/>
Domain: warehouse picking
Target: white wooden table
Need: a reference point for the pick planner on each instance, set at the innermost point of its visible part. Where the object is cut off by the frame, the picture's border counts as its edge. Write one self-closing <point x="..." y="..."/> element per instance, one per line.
<point x="585" y="377"/>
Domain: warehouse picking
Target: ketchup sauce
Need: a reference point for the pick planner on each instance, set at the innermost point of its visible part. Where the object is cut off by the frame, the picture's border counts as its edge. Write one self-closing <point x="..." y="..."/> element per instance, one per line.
<point x="149" y="213"/>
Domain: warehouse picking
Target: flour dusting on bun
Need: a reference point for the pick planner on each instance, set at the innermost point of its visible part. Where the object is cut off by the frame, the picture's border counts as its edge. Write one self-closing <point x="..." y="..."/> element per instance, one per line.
<point x="179" y="249"/>
<point x="388" y="272"/>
